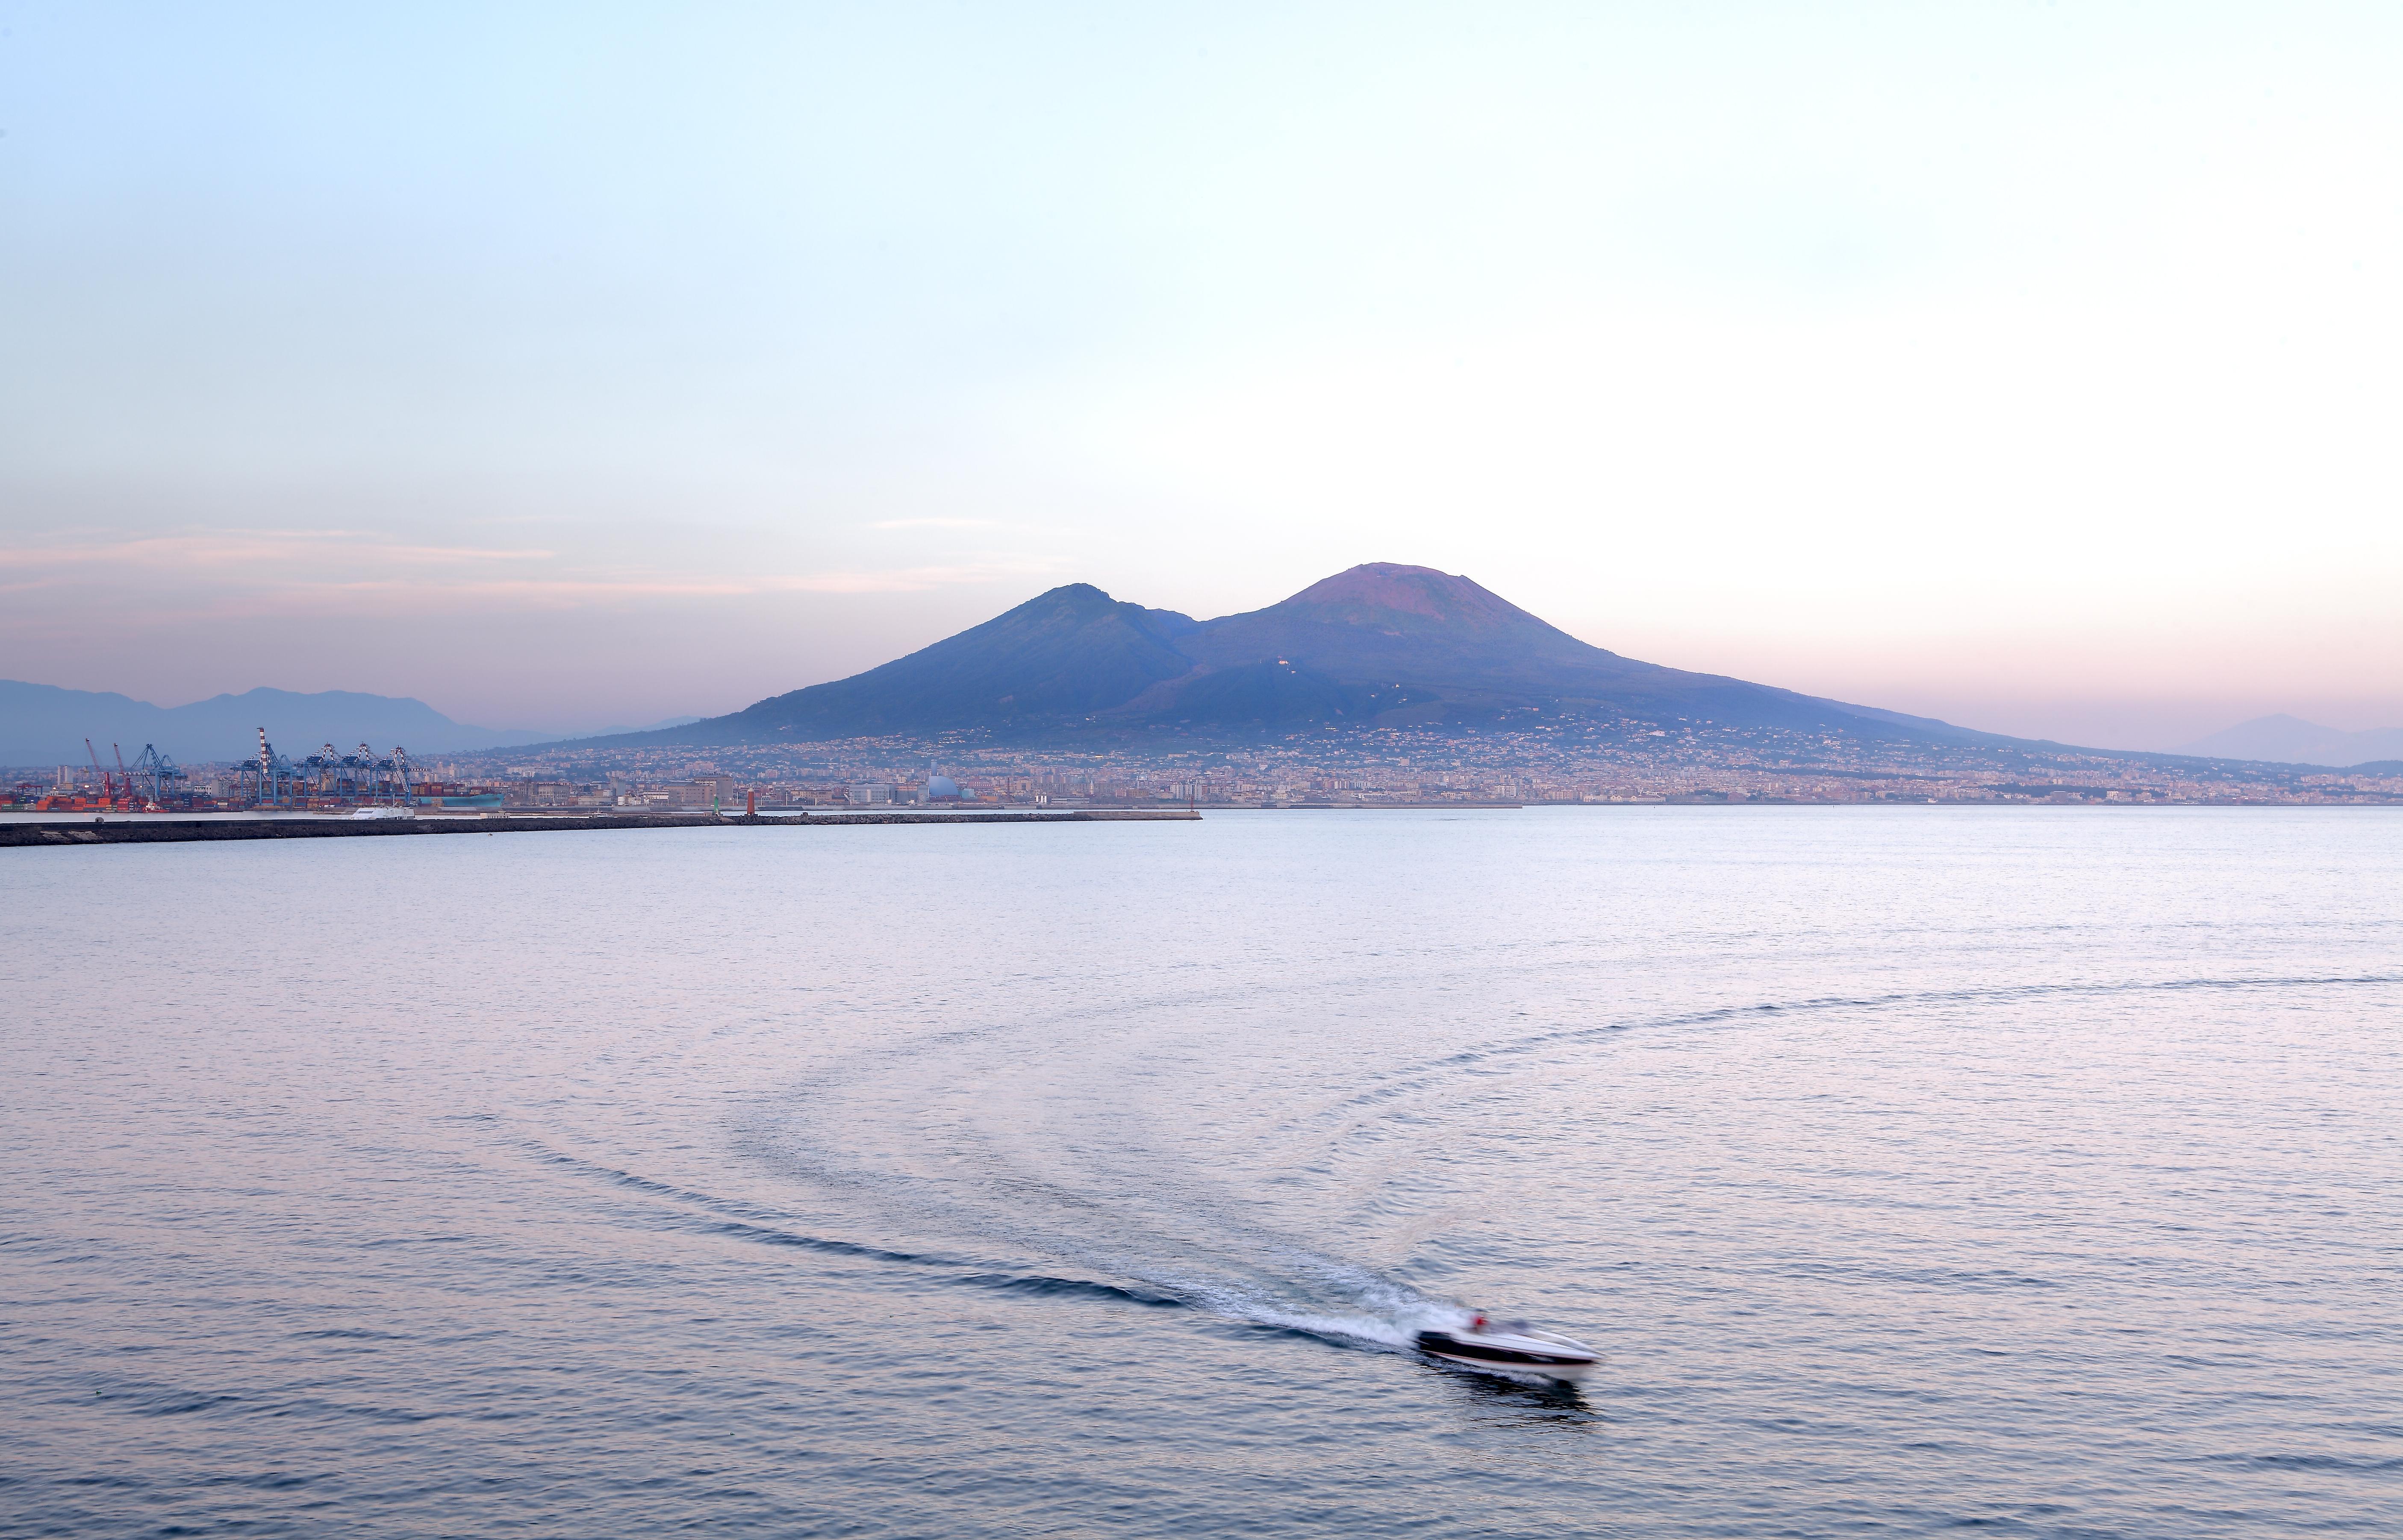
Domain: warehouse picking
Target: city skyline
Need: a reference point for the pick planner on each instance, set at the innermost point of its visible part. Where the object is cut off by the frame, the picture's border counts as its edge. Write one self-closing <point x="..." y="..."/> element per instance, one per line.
<point x="2023" y="369"/>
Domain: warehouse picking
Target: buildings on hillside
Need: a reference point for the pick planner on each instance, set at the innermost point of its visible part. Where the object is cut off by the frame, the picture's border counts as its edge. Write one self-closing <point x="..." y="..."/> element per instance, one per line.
<point x="1553" y="763"/>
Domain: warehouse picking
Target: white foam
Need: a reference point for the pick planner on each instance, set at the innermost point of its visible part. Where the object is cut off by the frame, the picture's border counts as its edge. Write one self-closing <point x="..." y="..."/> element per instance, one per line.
<point x="1367" y="1310"/>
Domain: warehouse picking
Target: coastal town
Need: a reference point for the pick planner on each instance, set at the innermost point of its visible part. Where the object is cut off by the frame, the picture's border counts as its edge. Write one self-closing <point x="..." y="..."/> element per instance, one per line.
<point x="1550" y="763"/>
<point x="1693" y="763"/>
<point x="1569" y="762"/>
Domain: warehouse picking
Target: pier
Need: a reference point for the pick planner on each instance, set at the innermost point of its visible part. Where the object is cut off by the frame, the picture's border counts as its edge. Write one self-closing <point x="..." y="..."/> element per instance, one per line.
<point x="169" y="831"/>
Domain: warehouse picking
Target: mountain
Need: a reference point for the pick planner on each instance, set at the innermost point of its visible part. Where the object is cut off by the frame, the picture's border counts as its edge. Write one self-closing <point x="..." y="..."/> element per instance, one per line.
<point x="1382" y="644"/>
<point x="647" y="727"/>
<point x="1400" y="645"/>
<point x="45" y="725"/>
<point x="2291" y="741"/>
<point x="1063" y="656"/>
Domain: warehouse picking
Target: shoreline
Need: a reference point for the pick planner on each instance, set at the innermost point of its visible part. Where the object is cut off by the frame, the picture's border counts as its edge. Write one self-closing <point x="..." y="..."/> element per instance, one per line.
<point x="164" y="831"/>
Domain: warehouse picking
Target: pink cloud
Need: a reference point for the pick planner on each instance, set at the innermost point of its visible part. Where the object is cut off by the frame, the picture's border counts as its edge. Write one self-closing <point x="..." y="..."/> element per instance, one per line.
<point x="199" y="573"/>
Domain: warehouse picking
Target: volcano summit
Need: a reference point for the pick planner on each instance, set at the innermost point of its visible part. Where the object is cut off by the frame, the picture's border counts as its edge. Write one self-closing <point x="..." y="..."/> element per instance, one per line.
<point x="1381" y="645"/>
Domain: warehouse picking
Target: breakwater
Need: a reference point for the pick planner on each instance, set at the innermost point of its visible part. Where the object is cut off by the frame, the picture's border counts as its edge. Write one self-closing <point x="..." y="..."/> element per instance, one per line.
<point x="185" y="831"/>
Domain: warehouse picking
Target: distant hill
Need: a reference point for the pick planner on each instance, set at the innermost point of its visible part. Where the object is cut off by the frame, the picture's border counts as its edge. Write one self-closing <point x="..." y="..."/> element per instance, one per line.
<point x="1393" y="645"/>
<point x="1380" y="645"/>
<point x="2291" y="741"/>
<point x="1065" y="656"/>
<point x="647" y="727"/>
<point x="45" y="725"/>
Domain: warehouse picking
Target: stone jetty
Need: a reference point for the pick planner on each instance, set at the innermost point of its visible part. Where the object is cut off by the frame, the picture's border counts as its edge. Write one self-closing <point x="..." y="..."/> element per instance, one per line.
<point x="165" y="831"/>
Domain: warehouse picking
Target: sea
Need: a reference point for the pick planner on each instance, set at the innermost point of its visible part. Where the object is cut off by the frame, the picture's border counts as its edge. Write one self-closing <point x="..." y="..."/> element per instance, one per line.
<point x="1916" y="1171"/>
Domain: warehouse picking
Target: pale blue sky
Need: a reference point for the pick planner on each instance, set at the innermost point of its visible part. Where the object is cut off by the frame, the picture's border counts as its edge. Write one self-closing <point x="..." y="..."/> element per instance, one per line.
<point x="2028" y="364"/>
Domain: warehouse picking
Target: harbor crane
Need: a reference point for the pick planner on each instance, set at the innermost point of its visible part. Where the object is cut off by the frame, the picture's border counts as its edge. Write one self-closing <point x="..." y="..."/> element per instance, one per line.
<point x="125" y="777"/>
<point x="107" y="792"/>
<point x="161" y="772"/>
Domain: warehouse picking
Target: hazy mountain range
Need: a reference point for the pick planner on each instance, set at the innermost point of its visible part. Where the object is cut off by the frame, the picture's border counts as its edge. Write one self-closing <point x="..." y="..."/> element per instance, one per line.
<point x="45" y="725"/>
<point x="2291" y="741"/>
<point x="1381" y="645"/>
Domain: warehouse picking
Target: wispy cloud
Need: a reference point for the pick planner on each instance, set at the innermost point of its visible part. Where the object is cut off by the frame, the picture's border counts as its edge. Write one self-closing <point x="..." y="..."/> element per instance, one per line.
<point x="231" y="547"/>
<point x="196" y="574"/>
<point x="906" y="580"/>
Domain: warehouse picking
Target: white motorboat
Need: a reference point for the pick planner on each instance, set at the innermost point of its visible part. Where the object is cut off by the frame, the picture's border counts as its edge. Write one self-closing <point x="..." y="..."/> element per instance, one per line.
<point x="1512" y="1348"/>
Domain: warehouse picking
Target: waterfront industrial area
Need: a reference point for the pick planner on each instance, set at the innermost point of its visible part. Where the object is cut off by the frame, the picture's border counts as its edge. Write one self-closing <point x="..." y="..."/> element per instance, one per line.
<point x="1572" y="763"/>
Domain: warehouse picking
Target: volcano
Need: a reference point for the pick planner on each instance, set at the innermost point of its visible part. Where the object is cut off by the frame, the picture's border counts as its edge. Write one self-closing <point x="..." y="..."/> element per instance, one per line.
<point x="1380" y="646"/>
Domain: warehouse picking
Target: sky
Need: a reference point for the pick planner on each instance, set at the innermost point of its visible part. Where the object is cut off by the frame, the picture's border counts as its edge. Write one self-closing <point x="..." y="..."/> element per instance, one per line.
<point x="2031" y="365"/>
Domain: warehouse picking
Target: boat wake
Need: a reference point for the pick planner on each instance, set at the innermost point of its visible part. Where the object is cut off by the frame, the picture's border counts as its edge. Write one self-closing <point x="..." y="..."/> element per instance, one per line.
<point x="1310" y="1296"/>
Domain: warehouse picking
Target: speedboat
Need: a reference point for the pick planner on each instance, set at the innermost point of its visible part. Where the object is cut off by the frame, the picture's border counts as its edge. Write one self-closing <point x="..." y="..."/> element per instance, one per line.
<point x="1513" y="1348"/>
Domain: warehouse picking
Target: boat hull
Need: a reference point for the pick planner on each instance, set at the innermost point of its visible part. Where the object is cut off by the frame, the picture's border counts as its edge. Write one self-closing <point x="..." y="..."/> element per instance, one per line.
<point x="1520" y="1357"/>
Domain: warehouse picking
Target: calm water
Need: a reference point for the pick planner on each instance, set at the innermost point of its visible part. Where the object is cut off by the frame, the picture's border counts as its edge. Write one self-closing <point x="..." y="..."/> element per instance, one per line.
<point x="2037" y="1171"/>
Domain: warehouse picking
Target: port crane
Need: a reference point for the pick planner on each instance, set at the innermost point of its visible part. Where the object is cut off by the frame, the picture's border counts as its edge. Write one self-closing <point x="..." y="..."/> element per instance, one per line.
<point x="161" y="772"/>
<point x="125" y="779"/>
<point x="107" y="788"/>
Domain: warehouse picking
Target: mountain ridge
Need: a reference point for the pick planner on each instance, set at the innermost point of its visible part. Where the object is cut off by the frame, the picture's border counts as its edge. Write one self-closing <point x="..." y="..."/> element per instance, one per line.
<point x="1379" y="644"/>
<point x="47" y="724"/>
<point x="2284" y="740"/>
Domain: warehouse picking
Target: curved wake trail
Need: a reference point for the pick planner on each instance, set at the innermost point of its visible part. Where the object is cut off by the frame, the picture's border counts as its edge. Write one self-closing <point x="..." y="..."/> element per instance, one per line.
<point x="1349" y="1306"/>
<point x="1379" y="1313"/>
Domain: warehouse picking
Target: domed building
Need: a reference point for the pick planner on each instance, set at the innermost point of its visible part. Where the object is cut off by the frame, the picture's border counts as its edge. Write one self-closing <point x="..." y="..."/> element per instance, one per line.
<point x="942" y="788"/>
